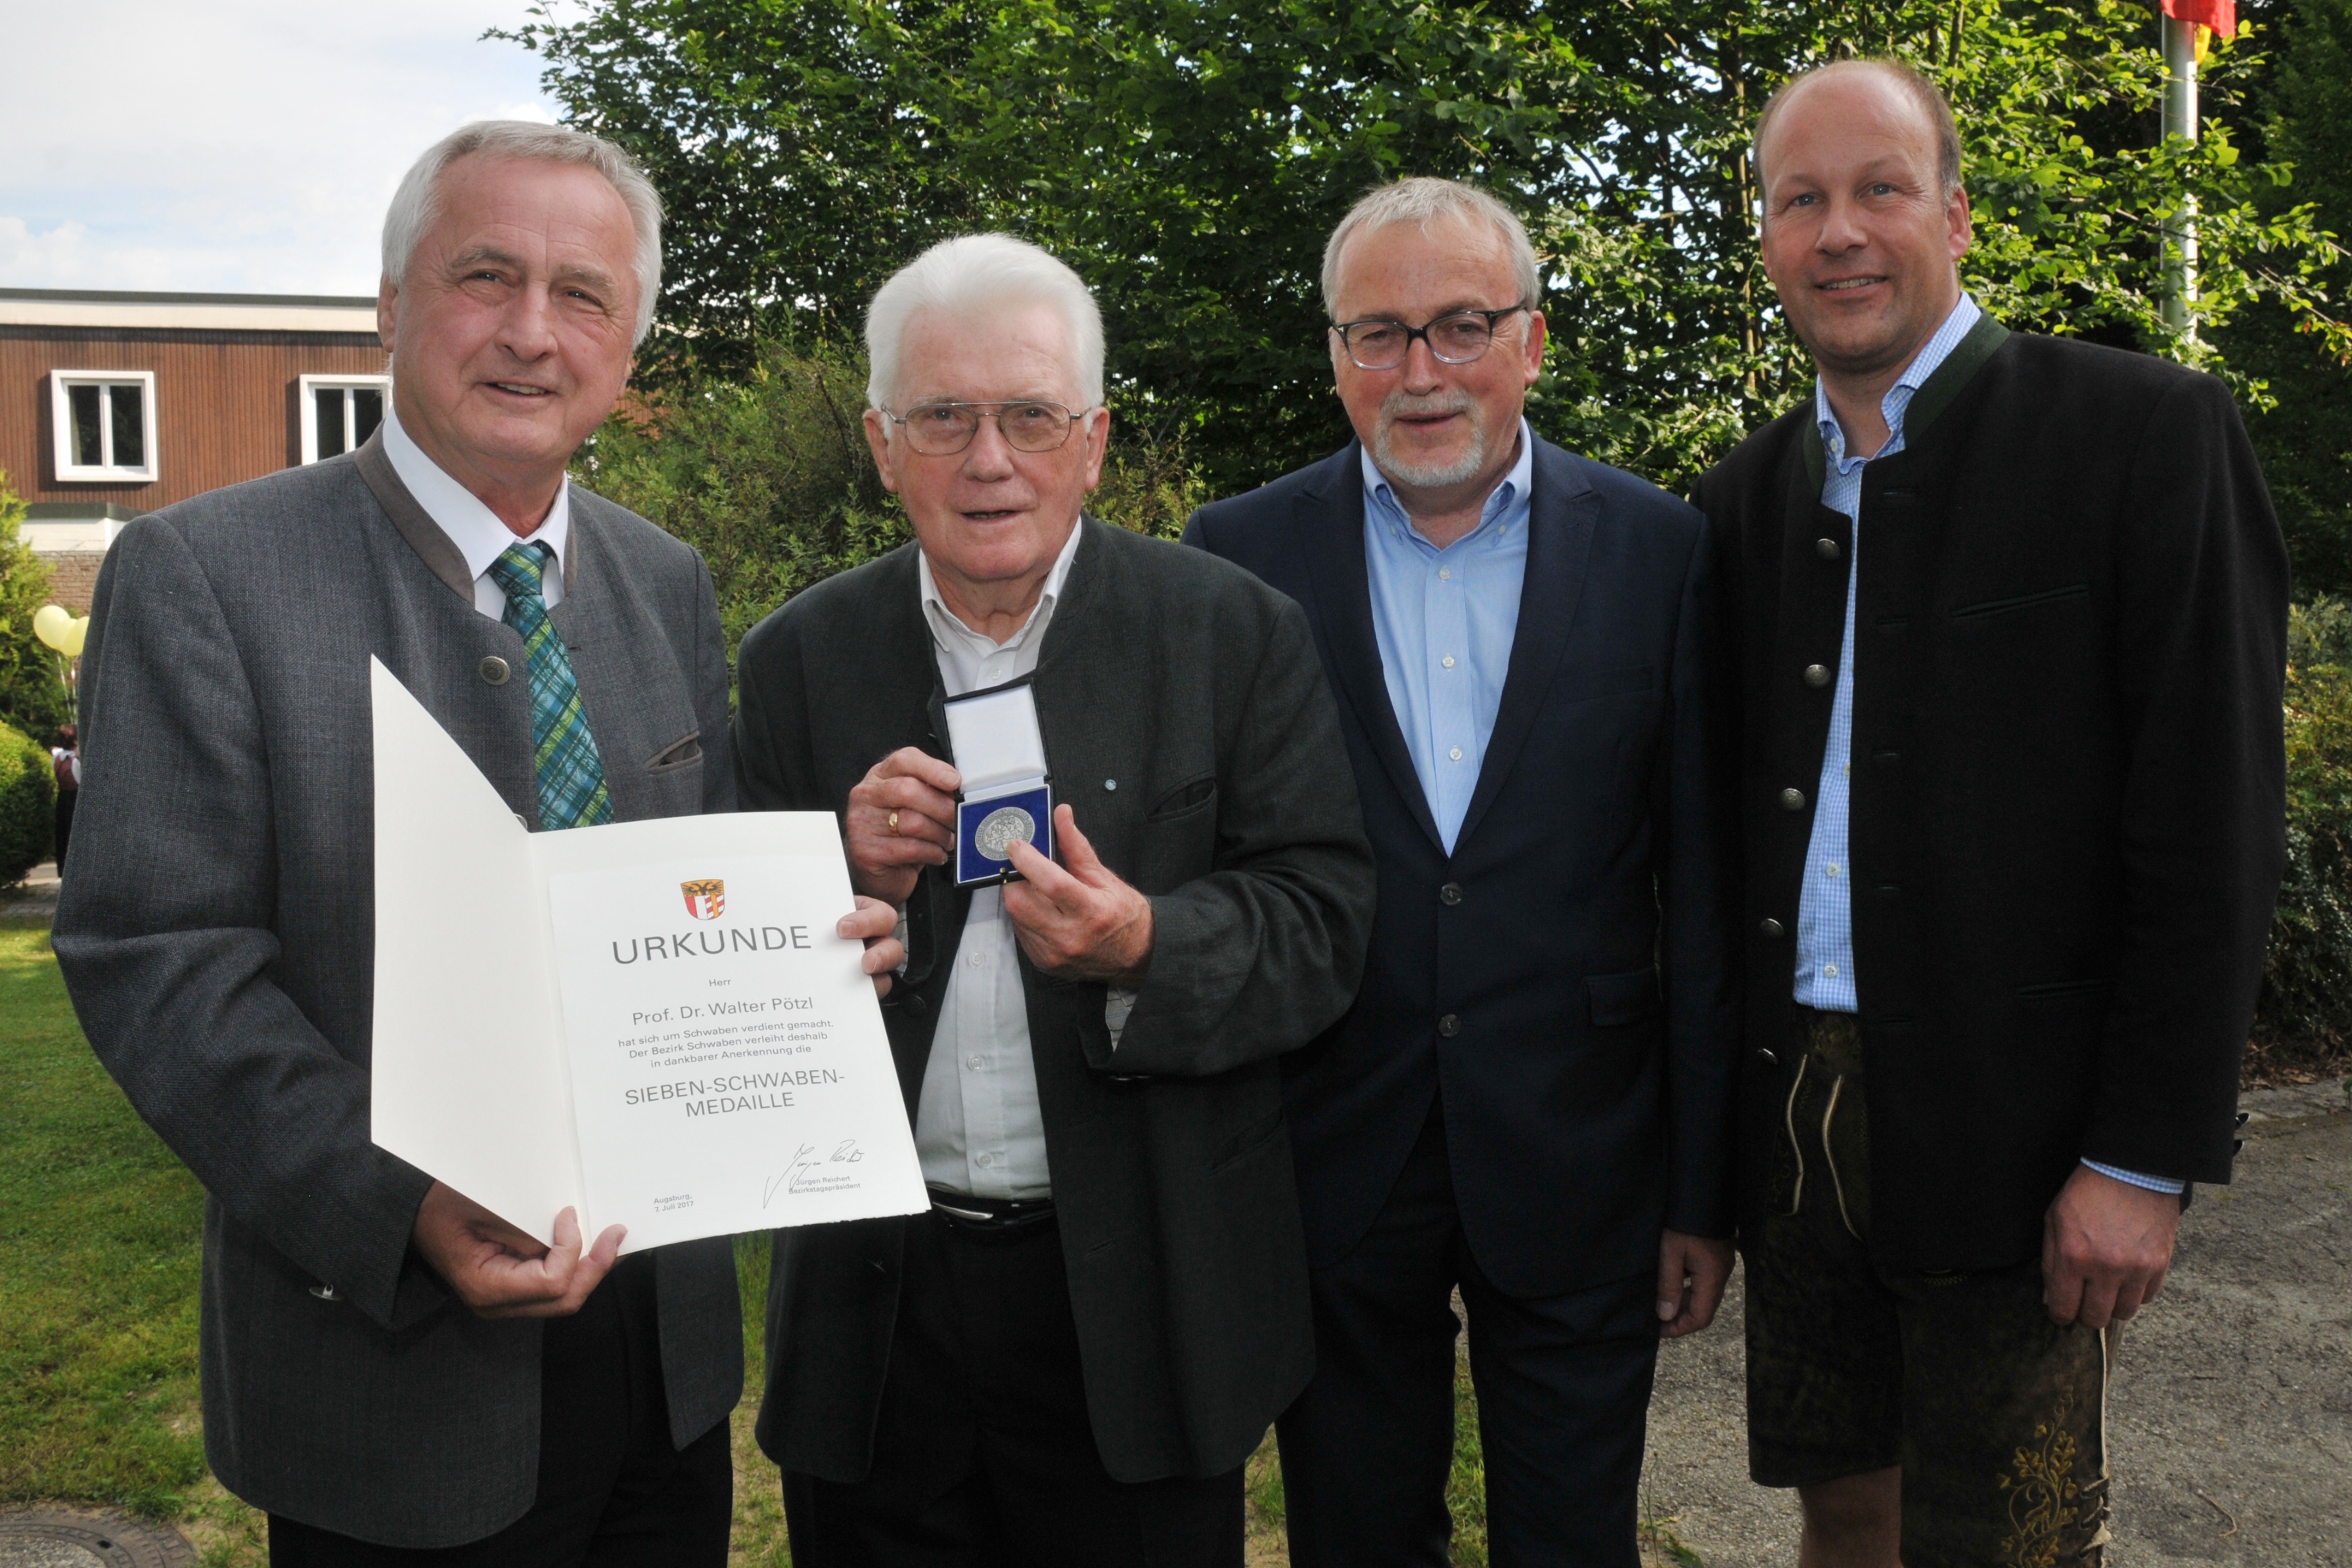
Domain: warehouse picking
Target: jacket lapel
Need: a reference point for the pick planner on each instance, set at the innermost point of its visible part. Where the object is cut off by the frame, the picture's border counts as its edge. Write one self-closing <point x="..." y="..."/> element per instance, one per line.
<point x="1559" y="539"/>
<point x="1330" y="520"/>
<point x="424" y="535"/>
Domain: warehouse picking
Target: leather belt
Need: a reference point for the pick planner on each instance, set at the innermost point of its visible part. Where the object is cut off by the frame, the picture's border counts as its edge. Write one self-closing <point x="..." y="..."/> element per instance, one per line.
<point x="991" y="1213"/>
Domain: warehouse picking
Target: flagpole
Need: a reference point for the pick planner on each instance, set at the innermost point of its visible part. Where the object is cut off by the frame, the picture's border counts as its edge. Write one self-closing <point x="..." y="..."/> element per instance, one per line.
<point x="2180" y="120"/>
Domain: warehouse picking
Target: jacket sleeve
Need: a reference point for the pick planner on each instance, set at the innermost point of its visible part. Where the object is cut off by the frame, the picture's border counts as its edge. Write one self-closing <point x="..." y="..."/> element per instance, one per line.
<point x="1698" y="902"/>
<point x="2200" y="671"/>
<point x="1265" y="951"/>
<point x="719" y="782"/>
<point x="164" y="936"/>
<point x="772" y="771"/>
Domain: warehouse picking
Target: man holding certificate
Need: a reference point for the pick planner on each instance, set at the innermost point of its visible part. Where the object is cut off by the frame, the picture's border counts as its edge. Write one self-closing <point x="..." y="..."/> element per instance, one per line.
<point x="1104" y="781"/>
<point x="395" y="1373"/>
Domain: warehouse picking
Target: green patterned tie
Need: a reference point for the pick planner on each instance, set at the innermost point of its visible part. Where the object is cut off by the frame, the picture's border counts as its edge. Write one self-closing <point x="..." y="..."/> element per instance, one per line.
<point x="570" y="774"/>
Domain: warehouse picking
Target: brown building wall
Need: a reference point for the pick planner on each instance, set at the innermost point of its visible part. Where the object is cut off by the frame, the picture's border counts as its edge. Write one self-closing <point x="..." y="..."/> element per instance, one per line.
<point x="228" y="404"/>
<point x="73" y="578"/>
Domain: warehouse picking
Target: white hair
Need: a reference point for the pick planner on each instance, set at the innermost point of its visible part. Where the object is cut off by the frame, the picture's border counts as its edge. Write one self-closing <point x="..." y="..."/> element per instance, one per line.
<point x="981" y="274"/>
<point x="418" y="200"/>
<point x="1424" y="201"/>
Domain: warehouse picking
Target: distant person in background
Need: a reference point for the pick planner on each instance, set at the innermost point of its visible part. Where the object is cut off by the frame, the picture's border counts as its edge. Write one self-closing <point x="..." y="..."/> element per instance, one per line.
<point x="2010" y="614"/>
<point x="394" y="1373"/>
<point x="65" y="760"/>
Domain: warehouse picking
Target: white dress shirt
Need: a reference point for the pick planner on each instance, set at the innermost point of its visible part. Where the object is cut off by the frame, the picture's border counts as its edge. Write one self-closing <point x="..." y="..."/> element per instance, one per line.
<point x="977" y="1127"/>
<point x="472" y="527"/>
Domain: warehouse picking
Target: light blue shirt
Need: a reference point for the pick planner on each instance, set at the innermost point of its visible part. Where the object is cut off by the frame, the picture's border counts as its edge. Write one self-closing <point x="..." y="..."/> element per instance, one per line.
<point x="1825" y="978"/>
<point x="1444" y="620"/>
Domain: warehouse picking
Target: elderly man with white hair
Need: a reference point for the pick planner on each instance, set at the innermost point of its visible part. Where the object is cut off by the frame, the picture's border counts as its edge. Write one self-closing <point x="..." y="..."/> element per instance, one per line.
<point x="1531" y="1100"/>
<point x="394" y="1373"/>
<point x="1069" y="1359"/>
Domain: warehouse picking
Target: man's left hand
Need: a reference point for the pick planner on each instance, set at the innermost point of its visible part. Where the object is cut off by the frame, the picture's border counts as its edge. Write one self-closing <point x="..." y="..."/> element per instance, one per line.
<point x="1692" y="1274"/>
<point x="2106" y="1246"/>
<point x="1081" y="923"/>
<point x="876" y="923"/>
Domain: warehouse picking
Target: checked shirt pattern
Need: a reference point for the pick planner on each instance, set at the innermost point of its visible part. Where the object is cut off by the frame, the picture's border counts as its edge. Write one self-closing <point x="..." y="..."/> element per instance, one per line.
<point x="571" y="773"/>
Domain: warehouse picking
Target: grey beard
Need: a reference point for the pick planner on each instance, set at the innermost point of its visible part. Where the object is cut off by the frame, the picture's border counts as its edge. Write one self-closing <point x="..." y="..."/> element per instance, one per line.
<point x="1422" y="475"/>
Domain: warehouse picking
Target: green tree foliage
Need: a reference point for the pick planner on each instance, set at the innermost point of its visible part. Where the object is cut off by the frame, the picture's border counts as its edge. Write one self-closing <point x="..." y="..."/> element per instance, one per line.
<point x="32" y="687"/>
<point x="27" y="802"/>
<point x="2307" y="982"/>
<point x="2303" y="112"/>
<point x="1189" y="157"/>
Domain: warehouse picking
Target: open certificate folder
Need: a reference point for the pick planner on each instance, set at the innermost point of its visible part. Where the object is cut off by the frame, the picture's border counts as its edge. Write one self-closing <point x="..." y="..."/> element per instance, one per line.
<point x="652" y="1023"/>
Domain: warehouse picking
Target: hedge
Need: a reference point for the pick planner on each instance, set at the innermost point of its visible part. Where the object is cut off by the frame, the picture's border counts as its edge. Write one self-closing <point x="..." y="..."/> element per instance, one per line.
<point x="27" y="798"/>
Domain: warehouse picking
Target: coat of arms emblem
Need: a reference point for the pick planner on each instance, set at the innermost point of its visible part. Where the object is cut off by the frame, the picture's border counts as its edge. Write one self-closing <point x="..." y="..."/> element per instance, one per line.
<point x="705" y="900"/>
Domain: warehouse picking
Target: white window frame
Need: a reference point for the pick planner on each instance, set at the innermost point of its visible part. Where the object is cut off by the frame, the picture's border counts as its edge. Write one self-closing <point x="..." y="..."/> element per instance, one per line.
<point x="61" y="424"/>
<point x="312" y="385"/>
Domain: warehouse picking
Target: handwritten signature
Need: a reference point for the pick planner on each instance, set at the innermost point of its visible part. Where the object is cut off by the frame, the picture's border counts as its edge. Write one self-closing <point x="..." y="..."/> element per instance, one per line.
<point x="807" y="1170"/>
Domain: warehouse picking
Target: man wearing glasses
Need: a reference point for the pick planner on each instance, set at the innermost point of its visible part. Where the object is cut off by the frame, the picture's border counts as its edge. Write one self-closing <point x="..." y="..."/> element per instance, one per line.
<point x="1530" y="1098"/>
<point x="1068" y="1359"/>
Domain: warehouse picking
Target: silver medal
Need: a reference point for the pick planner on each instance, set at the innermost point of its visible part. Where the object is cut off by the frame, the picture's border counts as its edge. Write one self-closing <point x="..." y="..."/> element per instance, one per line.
<point x="1002" y="829"/>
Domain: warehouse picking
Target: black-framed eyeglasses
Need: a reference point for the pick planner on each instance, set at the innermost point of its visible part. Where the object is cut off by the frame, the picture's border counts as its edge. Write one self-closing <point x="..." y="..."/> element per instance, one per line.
<point x="1455" y="338"/>
<point x="944" y="429"/>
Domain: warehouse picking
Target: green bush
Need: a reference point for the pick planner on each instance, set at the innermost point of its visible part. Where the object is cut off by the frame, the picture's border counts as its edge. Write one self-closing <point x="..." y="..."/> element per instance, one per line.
<point x="2307" y="994"/>
<point x="32" y="694"/>
<point x="27" y="801"/>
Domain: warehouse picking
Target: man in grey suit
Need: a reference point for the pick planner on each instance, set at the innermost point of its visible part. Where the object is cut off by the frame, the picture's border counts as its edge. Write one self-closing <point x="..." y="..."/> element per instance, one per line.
<point x="393" y="1373"/>
<point x="1068" y="1359"/>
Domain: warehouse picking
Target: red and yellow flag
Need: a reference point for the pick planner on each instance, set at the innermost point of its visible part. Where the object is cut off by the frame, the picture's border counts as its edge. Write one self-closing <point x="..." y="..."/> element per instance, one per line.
<point x="2208" y="17"/>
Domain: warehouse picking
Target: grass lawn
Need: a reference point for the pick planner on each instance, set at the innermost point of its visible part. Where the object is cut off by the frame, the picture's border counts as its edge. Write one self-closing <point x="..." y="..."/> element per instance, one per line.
<point x="100" y="1230"/>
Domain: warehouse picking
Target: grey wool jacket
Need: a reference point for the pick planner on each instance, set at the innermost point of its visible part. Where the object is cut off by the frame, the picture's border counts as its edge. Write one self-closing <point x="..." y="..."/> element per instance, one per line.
<point x="1194" y="690"/>
<point x="218" y="935"/>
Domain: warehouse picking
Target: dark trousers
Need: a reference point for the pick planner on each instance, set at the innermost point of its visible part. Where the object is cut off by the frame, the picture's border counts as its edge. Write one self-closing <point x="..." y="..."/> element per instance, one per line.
<point x="984" y="1455"/>
<point x="613" y="1491"/>
<point x="1563" y="1386"/>
<point x="62" y="826"/>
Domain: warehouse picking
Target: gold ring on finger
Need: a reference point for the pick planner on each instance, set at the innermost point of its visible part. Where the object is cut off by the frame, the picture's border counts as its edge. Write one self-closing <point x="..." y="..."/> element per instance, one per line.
<point x="894" y="821"/>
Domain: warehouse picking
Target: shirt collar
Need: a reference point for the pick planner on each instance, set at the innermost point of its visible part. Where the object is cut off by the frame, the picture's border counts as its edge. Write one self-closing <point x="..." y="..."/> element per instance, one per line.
<point x="1509" y="495"/>
<point x="943" y="621"/>
<point x="1924" y="364"/>
<point x="472" y="527"/>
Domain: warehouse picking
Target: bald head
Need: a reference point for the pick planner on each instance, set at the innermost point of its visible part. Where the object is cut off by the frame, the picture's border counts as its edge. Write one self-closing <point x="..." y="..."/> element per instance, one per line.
<point x="1903" y="94"/>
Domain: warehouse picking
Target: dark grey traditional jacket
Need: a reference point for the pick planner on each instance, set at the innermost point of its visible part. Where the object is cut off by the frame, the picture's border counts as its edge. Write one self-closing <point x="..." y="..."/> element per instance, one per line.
<point x="2067" y="820"/>
<point x="217" y="935"/>
<point x="1194" y="689"/>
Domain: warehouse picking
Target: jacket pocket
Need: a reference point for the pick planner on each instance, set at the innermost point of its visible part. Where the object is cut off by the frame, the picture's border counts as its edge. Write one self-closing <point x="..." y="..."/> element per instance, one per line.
<point x="1992" y="607"/>
<point x="1249" y="1138"/>
<point x="2059" y="990"/>
<point x="1190" y="795"/>
<point x="683" y="752"/>
<point x="1589" y="686"/>
<point x="1616" y="1001"/>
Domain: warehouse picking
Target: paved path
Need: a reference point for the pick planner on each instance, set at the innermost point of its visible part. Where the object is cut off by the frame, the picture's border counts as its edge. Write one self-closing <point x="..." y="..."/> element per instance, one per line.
<point x="2231" y="1419"/>
<point x="36" y="895"/>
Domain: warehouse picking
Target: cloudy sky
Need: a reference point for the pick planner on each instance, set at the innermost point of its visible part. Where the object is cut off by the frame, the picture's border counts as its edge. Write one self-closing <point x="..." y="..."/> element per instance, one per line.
<point x="231" y="144"/>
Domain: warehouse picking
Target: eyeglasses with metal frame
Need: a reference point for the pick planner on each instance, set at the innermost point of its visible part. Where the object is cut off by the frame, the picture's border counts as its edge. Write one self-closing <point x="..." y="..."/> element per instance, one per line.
<point x="944" y="429"/>
<point x="1456" y="338"/>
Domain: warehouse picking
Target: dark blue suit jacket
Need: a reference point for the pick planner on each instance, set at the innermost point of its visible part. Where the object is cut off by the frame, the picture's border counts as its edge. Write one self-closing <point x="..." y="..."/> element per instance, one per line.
<point x="1565" y="976"/>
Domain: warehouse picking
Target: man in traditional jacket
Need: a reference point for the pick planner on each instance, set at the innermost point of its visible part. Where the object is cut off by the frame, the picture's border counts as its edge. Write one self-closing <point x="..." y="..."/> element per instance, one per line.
<point x="2011" y="616"/>
<point x="1069" y="1358"/>
<point x="392" y="1372"/>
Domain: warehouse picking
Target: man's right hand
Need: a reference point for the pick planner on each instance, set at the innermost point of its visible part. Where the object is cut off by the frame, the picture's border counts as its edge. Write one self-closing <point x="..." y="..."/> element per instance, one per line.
<point x="917" y="791"/>
<point x="501" y="1272"/>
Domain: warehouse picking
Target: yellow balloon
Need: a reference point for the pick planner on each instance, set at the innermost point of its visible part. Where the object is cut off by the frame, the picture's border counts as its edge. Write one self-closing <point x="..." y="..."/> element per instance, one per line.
<point x="49" y="623"/>
<point x="76" y="635"/>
